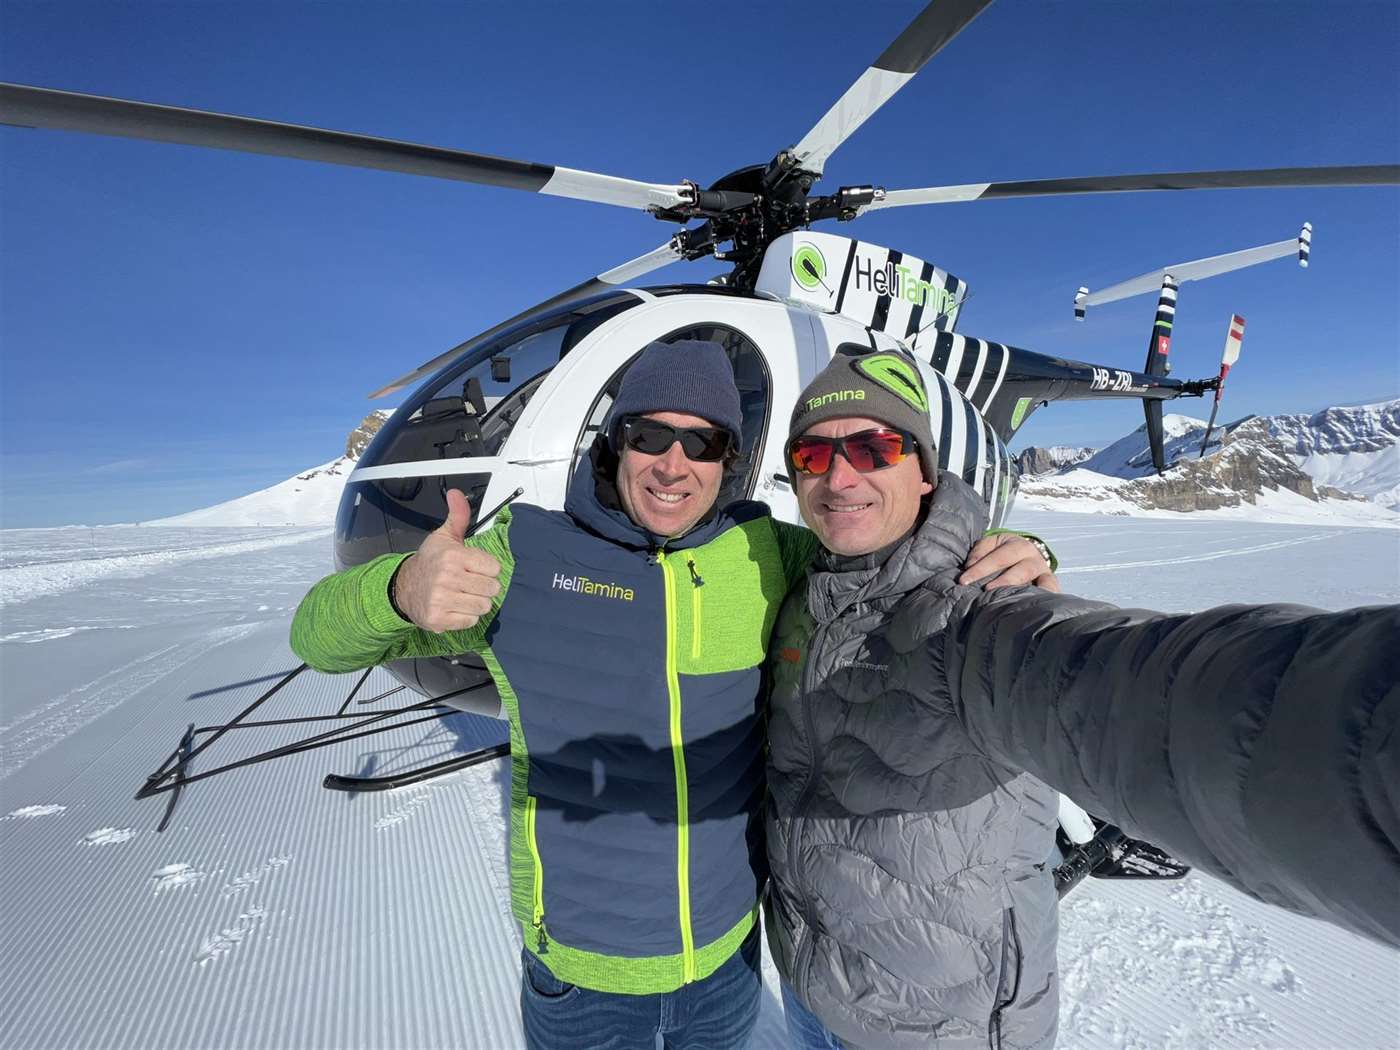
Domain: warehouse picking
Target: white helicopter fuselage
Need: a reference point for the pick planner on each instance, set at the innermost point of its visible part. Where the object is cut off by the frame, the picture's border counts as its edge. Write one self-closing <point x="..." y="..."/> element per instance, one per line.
<point x="794" y="341"/>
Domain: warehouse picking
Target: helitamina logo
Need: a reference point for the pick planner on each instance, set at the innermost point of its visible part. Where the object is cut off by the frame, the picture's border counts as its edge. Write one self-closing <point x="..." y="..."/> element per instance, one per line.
<point x="896" y="375"/>
<point x="809" y="267"/>
<point x="901" y="281"/>
<point x="595" y="588"/>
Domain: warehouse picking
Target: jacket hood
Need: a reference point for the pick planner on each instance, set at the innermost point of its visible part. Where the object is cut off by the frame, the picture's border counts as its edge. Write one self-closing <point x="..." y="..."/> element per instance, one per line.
<point x="592" y="501"/>
<point x="953" y="520"/>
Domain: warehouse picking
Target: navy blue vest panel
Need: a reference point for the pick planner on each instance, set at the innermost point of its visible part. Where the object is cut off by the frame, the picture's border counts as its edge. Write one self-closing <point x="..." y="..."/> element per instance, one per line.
<point x="598" y="734"/>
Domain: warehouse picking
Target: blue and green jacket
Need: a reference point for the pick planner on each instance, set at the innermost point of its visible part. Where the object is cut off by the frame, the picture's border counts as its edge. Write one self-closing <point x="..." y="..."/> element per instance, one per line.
<point x="631" y="674"/>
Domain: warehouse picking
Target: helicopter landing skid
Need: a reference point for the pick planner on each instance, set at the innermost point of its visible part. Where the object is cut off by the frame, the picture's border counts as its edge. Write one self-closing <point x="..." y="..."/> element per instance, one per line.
<point x="338" y="782"/>
<point x="176" y="771"/>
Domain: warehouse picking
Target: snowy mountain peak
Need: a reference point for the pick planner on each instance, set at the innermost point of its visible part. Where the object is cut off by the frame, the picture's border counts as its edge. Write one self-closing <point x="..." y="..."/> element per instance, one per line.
<point x="308" y="498"/>
<point x="1342" y="430"/>
<point x="1131" y="455"/>
<point x="1333" y="466"/>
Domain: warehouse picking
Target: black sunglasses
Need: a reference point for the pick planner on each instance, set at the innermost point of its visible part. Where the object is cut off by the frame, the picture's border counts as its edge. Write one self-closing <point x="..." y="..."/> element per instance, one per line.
<point x="653" y="437"/>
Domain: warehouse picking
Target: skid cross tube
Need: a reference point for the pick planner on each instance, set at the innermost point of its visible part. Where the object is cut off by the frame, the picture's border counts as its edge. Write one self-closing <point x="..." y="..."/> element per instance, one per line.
<point x="173" y="773"/>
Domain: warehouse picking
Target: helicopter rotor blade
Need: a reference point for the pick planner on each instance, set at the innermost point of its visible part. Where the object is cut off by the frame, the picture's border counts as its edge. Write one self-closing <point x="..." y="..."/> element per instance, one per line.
<point x="618" y="275"/>
<point x="35" y="107"/>
<point x="1261" y="178"/>
<point x="923" y="38"/>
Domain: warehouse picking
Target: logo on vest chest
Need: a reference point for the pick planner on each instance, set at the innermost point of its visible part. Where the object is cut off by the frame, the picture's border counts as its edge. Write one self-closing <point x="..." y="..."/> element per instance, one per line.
<point x="592" y="588"/>
<point x="862" y="665"/>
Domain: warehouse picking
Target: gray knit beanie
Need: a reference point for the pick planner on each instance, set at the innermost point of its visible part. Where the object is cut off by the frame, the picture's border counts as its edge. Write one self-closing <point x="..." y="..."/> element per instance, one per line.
<point x="884" y="386"/>
<point x="691" y="376"/>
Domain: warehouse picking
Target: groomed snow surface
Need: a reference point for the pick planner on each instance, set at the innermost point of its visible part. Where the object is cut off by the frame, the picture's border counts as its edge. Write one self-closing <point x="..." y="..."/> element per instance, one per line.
<point x="275" y="914"/>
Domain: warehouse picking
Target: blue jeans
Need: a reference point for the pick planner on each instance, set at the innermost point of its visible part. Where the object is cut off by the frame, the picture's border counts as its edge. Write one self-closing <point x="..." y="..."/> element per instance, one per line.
<point x="717" y="1013"/>
<point x="805" y="1032"/>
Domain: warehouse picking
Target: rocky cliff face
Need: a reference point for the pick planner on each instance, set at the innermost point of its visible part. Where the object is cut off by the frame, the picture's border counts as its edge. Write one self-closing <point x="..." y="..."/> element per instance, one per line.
<point x="1246" y="459"/>
<point x="1340" y="431"/>
<point x="1035" y="460"/>
<point x="1250" y="462"/>
<point x="361" y="436"/>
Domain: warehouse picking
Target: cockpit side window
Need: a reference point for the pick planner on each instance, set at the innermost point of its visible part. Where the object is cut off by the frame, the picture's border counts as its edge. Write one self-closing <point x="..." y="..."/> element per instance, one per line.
<point x="468" y="411"/>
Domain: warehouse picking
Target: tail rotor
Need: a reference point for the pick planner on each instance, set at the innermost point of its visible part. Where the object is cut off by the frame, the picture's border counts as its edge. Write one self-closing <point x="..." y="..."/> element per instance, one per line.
<point x="1234" y="339"/>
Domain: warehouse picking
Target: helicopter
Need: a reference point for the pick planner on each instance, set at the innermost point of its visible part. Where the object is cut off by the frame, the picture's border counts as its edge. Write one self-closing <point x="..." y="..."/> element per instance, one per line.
<point x="508" y="413"/>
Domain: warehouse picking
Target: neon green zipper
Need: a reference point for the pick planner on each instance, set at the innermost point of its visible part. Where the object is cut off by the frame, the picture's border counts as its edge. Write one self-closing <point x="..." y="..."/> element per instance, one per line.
<point x="537" y="919"/>
<point x="673" y="688"/>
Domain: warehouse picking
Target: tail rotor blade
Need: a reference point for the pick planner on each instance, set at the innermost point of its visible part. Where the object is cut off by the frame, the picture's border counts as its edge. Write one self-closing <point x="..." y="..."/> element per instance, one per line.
<point x="1234" y="340"/>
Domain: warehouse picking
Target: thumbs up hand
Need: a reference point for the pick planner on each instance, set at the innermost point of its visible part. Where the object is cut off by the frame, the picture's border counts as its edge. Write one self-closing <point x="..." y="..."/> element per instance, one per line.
<point x="446" y="586"/>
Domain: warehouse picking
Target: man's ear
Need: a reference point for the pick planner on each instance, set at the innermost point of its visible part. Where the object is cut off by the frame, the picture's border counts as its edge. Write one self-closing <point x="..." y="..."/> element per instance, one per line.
<point x="924" y="488"/>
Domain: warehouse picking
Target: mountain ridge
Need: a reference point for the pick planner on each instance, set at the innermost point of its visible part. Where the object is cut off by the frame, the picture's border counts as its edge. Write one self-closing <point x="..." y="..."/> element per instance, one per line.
<point x="1340" y="465"/>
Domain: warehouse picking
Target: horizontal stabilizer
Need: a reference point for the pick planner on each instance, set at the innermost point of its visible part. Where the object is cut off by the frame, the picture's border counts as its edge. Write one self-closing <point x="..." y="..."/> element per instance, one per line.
<point x="1196" y="270"/>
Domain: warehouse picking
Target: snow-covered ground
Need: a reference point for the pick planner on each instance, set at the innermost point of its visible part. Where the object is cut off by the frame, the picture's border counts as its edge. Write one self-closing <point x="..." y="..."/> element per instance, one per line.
<point x="1082" y="491"/>
<point x="275" y="914"/>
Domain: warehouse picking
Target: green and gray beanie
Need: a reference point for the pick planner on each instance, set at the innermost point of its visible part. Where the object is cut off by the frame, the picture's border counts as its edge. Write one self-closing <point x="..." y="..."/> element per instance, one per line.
<point x="883" y="385"/>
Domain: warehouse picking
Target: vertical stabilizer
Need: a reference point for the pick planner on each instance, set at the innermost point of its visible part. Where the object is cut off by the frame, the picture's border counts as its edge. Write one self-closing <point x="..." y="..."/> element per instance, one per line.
<point x="1159" y="345"/>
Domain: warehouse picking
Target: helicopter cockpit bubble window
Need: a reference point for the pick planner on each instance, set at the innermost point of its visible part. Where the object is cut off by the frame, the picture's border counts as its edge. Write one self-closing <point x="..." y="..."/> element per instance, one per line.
<point x="755" y="389"/>
<point x="466" y="411"/>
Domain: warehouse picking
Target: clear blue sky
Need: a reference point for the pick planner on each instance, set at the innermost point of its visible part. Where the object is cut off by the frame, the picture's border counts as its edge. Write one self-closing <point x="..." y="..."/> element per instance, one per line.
<point x="182" y="326"/>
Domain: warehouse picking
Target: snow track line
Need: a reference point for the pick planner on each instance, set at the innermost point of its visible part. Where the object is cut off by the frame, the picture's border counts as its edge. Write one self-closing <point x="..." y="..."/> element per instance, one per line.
<point x="1230" y="552"/>
<point x="34" y="733"/>
<point x="23" y="583"/>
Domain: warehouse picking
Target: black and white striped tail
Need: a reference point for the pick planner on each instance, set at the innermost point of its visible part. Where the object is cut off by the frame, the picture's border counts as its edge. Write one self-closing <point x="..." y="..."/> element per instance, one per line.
<point x="1159" y="344"/>
<point x="1304" y="244"/>
<point x="967" y="444"/>
<point x="1079" y="304"/>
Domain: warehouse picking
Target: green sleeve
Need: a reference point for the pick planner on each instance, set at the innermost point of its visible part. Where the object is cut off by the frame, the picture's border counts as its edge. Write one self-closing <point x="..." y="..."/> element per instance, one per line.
<point x="347" y="622"/>
<point x="797" y="546"/>
<point x="1054" y="561"/>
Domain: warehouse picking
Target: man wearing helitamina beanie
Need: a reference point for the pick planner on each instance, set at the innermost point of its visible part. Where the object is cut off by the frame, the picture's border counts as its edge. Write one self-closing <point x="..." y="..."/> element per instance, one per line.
<point x="625" y="635"/>
<point x="919" y="728"/>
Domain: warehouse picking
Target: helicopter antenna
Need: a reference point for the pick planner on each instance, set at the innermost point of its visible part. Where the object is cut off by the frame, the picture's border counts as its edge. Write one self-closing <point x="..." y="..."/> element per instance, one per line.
<point x="956" y="307"/>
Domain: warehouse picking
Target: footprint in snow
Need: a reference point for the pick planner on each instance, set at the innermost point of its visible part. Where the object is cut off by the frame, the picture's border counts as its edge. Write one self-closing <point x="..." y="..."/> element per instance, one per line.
<point x="249" y="879"/>
<point x="173" y="876"/>
<point x="27" y="812"/>
<point x="403" y="812"/>
<point x="229" y="938"/>
<point x="106" y="837"/>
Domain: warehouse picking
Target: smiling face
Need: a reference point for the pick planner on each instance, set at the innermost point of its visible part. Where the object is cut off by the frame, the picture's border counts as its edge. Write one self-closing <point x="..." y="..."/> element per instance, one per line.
<point x="855" y="513"/>
<point x="669" y="493"/>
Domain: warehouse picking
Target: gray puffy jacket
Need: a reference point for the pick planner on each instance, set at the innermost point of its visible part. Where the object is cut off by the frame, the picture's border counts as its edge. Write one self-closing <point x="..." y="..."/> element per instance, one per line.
<point x="910" y="903"/>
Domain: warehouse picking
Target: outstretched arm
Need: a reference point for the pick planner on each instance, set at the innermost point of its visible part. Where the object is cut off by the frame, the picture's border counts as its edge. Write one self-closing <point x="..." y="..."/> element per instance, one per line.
<point x="438" y="601"/>
<point x="1257" y="742"/>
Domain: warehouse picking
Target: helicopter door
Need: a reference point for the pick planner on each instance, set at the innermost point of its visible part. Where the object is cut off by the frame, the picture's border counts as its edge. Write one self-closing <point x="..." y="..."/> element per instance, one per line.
<point x="763" y="344"/>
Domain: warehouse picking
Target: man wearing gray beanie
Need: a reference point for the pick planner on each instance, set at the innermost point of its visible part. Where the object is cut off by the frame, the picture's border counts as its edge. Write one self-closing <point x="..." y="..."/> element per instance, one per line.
<point x="626" y="636"/>
<point x="918" y="730"/>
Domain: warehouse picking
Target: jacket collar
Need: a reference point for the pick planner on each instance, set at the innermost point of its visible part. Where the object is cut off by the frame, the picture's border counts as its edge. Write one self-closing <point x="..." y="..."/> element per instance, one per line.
<point x="593" y="503"/>
<point x="953" y="519"/>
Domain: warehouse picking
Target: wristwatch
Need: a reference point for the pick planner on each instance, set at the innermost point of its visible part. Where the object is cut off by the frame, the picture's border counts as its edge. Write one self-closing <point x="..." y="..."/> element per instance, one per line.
<point x="1040" y="545"/>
